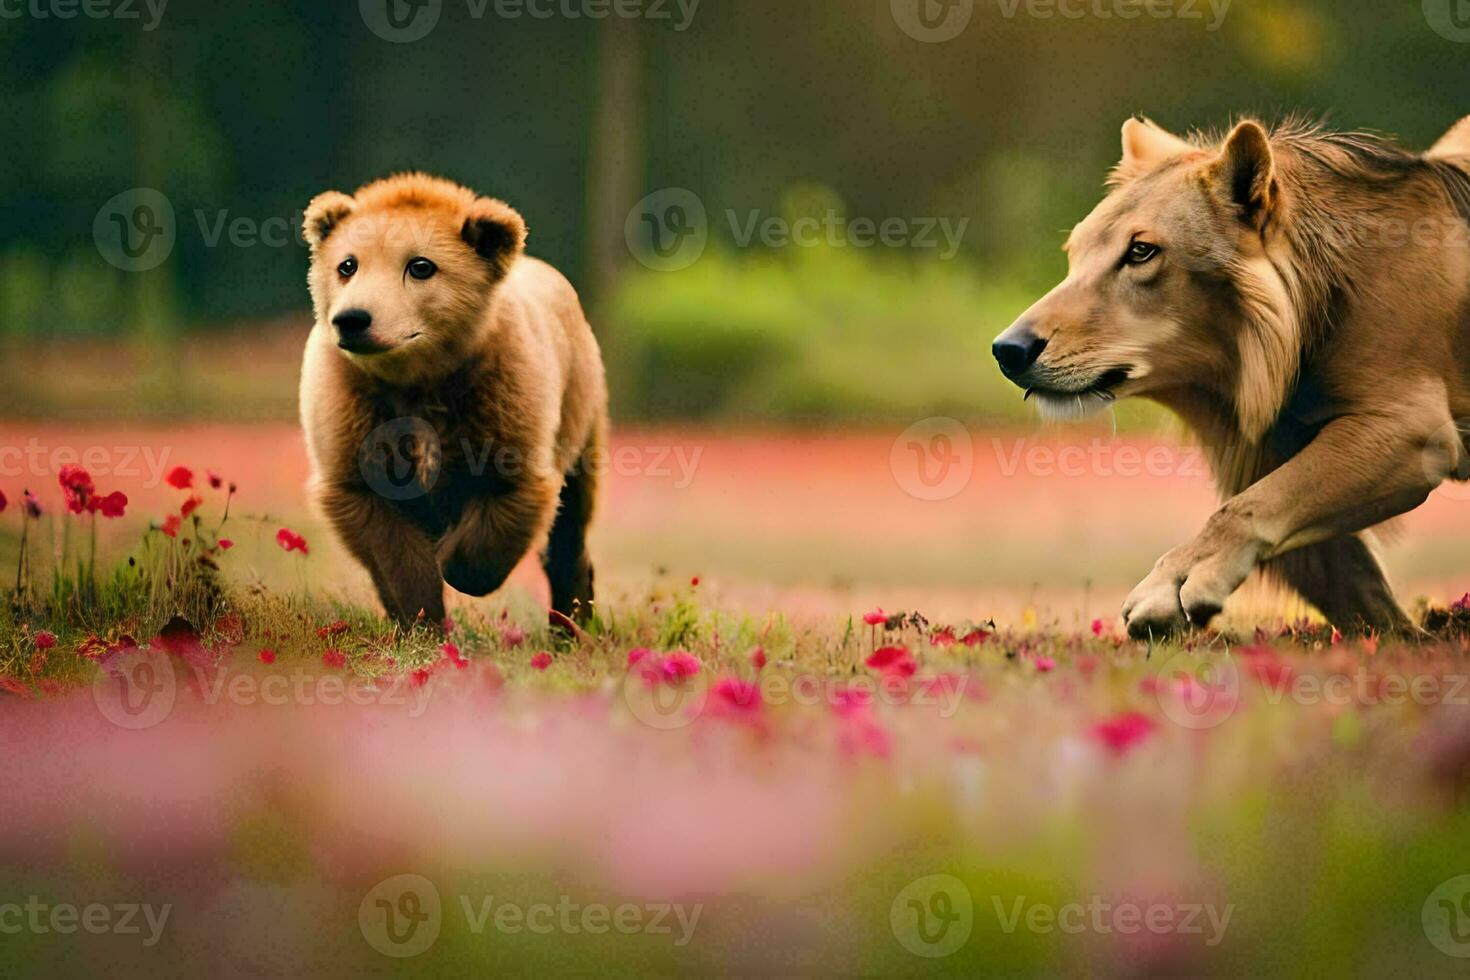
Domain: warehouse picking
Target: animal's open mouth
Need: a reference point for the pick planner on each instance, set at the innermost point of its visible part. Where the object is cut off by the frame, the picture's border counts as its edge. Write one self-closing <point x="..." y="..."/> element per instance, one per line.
<point x="1075" y="403"/>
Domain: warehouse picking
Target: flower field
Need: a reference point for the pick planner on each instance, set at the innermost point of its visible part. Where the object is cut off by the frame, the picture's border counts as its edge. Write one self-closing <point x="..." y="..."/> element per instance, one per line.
<point x="222" y="759"/>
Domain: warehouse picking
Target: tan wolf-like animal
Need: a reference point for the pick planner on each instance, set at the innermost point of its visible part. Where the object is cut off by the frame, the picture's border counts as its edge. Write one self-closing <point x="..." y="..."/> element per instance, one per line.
<point x="1301" y="299"/>
<point x="452" y="395"/>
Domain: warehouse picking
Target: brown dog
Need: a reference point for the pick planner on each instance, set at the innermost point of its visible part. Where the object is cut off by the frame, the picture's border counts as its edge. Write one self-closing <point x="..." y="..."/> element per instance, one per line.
<point x="1301" y="299"/>
<point x="452" y="395"/>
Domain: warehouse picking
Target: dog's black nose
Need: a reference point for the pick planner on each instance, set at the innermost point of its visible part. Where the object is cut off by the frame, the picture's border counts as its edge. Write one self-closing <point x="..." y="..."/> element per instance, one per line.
<point x="352" y="322"/>
<point x="1016" y="350"/>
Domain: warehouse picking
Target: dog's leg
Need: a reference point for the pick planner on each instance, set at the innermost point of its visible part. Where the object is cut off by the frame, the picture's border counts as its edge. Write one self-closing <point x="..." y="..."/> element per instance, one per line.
<point x="567" y="564"/>
<point x="1344" y="580"/>
<point x="1359" y="471"/>
<point x="494" y="533"/>
<point x="398" y="556"/>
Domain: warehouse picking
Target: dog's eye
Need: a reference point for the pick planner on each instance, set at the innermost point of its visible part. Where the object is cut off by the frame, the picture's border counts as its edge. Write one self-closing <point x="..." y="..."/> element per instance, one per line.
<point x="347" y="268"/>
<point x="421" y="268"/>
<point x="1140" y="253"/>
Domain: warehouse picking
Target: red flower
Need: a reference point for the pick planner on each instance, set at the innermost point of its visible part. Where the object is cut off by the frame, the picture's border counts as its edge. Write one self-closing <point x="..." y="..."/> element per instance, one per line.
<point x="943" y="638"/>
<point x="3" y="502"/>
<point x="290" y="541"/>
<point x="76" y="487"/>
<point x="113" y="504"/>
<point x="541" y="661"/>
<point x="190" y="505"/>
<point x="45" y="639"/>
<point x="420" y="677"/>
<point x="637" y="654"/>
<point x="452" y="654"/>
<point x="1045" y="664"/>
<point x="170" y="525"/>
<point x="333" y="657"/>
<point x="1097" y="627"/>
<point x="975" y="637"/>
<point x="875" y="618"/>
<point x="896" y="661"/>
<point x="758" y="658"/>
<point x="679" y="665"/>
<point x="1124" y="732"/>
<point x="734" y="695"/>
<point x="225" y="544"/>
<point x="33" y="506"/>
<point x="694" y="582"/>
<point x="214" y="479"/>
<point x="267" y="656"/>
<point x="180" y="478"/>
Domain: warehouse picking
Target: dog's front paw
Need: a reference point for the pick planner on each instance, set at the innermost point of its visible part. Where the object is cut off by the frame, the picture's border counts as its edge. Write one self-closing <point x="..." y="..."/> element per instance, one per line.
<point x="1153" y="609"/>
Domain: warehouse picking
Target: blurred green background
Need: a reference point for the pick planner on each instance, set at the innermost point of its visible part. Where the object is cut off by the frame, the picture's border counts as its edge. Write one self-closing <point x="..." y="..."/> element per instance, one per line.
<point x="768" y="107"/>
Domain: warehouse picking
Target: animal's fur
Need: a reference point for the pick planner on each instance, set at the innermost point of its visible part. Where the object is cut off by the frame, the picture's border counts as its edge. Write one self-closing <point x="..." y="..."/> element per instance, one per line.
<point x="492" y="361"/>
<point x="1308" y="316"/>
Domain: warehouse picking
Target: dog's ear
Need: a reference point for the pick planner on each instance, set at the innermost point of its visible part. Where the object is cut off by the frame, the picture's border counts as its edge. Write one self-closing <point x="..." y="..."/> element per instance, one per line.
<point x="496" y="232"/>
<point x="1246" y="173"/>
<point x="1455" y="143"/>
<point x="325" y="212"/>
<point x="1145" y="146"/>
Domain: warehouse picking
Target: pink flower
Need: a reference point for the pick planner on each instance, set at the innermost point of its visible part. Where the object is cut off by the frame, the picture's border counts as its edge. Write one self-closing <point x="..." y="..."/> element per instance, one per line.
<point x="942" y="638"/>
<point x="76" y="487"/>
<point x="541" y="661"/>
<point x="170" y="525"/>
<point x="512" y="636"/>
<point x="1098" y="626"/>
<point x="180" y="478"/>
<point x="875" y="618"/>
<point x="735" y="696"/>
<point x="758" y="658"/>
<point x="191" y="505"/>
<point x="679" y="665"/>
<point x="333" y="657"/>
<point x="850" y="702"/>
<point x="1045" y="664"/>
<point x="113" y="504"/>
<point x="895" y="661"/>
<point x="637" y="654"/>
<point x="225" y="544"/>
<point x="45" y="639"/>
<point x="267" y="656"/>
<point x="290" y="541"/>
<point x="1124" y="732"/>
